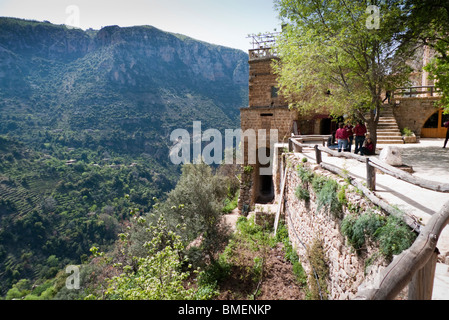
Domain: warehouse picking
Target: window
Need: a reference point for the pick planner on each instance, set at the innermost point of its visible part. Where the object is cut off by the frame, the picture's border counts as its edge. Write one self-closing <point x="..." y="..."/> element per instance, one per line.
<point x="274" y="92"/>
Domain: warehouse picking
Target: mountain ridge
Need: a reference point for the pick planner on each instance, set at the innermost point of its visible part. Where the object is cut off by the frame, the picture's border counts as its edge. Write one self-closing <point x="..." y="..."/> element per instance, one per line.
<point x="142" y="67"/>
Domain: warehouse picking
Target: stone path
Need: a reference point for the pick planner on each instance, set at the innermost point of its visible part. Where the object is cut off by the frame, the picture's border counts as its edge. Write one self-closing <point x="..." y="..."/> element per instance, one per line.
<point x="429" y="161"/>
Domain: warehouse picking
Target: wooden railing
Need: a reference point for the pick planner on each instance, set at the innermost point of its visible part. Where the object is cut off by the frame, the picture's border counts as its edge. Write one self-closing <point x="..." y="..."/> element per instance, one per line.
<point x="414" y="267"/>
<point x="417" y="91"/>
<point x="262" y="53"/>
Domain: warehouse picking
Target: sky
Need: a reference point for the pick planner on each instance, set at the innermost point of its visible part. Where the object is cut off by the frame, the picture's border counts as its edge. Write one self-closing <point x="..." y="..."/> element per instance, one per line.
<point x="225" y="22"/>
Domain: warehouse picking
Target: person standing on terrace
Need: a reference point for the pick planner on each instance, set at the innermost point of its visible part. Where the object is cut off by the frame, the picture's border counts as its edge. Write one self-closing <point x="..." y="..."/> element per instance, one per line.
<point x="360" y="133"/>
<point x="342" y="137"/>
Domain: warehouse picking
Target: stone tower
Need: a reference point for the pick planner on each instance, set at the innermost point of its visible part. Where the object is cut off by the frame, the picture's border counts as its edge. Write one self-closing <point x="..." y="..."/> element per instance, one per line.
<point x="267" y="111"/>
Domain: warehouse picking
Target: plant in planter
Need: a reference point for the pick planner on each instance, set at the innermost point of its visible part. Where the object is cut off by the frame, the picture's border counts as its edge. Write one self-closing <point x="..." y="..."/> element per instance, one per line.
<point x="408" y="136"/>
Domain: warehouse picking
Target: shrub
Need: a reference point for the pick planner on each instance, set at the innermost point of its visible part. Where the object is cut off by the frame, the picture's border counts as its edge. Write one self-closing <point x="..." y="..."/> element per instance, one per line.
<point x="407" y="132"/>
<point x="393" y="235"/>
<point x="302" y="193"/>
<point x="291" y="255"/>
<point x="327" y="197"/>
<point x="159" y="275"/>
<point x="305" y="175"/>
<point x="318" y="183"/>
<point x="357" y="229"/>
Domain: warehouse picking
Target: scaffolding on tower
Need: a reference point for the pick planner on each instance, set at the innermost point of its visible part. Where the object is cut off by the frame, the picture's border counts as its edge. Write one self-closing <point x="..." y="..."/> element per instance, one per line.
<point x="263" y="45"/>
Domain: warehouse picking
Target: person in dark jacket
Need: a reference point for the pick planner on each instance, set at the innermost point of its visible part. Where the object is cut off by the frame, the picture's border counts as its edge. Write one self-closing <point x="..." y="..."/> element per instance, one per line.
<point x="446" y="124"/>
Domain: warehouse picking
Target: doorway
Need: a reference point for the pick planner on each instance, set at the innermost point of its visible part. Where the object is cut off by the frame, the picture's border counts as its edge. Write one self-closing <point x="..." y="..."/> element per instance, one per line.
<point x="265" y="184"/>
<point x="434" y="128"/>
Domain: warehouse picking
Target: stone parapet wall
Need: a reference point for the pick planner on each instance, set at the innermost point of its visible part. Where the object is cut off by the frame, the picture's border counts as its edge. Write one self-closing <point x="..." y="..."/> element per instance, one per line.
<point x="305" y="224"/>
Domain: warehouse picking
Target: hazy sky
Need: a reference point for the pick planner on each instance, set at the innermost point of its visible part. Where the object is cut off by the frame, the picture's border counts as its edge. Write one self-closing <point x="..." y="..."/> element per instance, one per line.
<point x="226" y="22"/>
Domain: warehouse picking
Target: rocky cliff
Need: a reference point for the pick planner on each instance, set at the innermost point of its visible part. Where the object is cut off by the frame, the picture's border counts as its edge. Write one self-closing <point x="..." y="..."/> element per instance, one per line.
<point x="138" y="82"/>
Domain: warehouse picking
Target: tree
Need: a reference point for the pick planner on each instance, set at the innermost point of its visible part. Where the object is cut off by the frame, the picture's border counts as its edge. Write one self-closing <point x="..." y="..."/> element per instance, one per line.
<point x="429" y="25"/>
<point x="342" y="56"/>
<point x="159" y="274"/>
<point x="197" y="202"/>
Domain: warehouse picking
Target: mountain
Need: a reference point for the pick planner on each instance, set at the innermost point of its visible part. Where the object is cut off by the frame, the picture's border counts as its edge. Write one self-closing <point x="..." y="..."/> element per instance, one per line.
<point x="128" y="88"/>
<point x="85" y="123"/>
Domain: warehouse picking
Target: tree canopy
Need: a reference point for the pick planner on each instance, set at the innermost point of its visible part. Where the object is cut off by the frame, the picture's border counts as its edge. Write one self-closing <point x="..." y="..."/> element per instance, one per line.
<point x="342" y="56"/>
<point x="429" y="24"/>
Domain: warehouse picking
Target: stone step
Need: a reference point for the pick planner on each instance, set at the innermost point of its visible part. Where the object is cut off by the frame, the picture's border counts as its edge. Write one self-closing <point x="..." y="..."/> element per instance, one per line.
<point x="384" y="120"/>
<point x="393" y="135"/>
<point x="387" y="117"/>
<point x="387" y="127"/>
<point x="389" y="130"/>
<point x="390" y="142"/>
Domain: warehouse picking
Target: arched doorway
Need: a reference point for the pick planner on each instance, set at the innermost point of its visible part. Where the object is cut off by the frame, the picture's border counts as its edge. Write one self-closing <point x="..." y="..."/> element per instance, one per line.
<point x="433" y="128"/>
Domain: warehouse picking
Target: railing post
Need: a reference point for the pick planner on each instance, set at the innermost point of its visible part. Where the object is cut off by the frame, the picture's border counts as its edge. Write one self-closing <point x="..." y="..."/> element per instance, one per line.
<point x="290" y="145"/>
<point x="318" y="155"/>
<point x="421" y="286"/>
<point x="370" y="176"/>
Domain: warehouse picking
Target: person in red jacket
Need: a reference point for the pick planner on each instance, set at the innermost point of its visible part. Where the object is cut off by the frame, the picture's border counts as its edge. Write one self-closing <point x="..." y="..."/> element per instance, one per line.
<point x="360" y="133"/>
<point x="368" y="149"/>
<point x="342" y="137"/>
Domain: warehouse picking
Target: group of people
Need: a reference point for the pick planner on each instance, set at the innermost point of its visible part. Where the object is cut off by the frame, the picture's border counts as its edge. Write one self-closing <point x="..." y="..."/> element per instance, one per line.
<point x="345" y="135"/>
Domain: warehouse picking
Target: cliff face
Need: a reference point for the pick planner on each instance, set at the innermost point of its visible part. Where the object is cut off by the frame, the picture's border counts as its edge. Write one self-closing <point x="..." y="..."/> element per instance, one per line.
<point x="123" y="79"/>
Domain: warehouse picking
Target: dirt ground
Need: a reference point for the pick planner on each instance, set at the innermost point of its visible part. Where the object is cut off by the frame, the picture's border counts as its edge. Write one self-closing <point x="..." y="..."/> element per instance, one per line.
<point x="277" y="283"/>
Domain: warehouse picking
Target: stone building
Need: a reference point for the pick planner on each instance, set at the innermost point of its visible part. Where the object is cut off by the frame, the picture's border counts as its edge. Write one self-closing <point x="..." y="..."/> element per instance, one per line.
<point x="413" y="108"/>
<point x="269" y="111"/>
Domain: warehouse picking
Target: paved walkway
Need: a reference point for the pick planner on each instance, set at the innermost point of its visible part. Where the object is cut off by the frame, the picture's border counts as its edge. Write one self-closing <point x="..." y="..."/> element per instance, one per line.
<point x="429" y="161"/>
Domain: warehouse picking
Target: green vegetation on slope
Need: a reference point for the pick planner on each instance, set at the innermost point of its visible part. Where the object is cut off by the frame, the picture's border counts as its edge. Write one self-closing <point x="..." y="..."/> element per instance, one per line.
<point x="55" y="208"/>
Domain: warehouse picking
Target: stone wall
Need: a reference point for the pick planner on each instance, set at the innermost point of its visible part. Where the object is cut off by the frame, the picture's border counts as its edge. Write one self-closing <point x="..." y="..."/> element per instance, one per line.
<point x="280" y="118"/>
<point x="413" y="112"/>
<point x="306" y="224"/>
<point x="261" y="84"/>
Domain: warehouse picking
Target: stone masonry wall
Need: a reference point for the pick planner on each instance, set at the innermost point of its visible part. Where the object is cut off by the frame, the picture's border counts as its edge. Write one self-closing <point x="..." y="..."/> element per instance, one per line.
<point x="280" y="118"/>
<point x="413" y="113"/>
<point x="261" y="82"/>
<point x="305" y="225"/>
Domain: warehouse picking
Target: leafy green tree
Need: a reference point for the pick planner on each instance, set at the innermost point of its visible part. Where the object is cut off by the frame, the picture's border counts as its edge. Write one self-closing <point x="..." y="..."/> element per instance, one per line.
<point x="197" y="202"/>
<point x="429" y="25"/>
<point x="340" y="56"/>
<point x="19" y="290"/>
<point x="159" y="275"/>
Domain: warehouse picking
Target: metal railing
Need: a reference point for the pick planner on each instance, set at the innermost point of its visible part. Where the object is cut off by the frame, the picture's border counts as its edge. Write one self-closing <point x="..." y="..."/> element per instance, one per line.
<point x="417" y="91"/>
